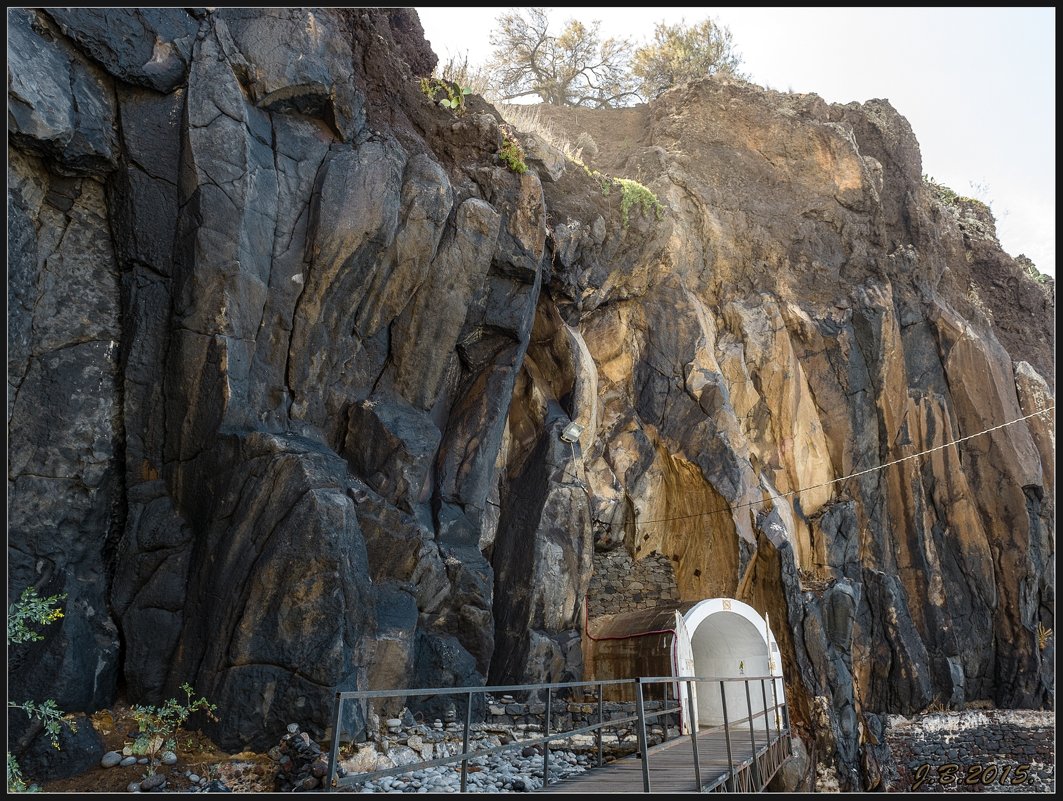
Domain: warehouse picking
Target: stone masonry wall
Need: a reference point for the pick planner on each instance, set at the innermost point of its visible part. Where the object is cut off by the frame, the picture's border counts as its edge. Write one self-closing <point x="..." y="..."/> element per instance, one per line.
<point x="973" y="751"/>
<point x="620" y="584"/>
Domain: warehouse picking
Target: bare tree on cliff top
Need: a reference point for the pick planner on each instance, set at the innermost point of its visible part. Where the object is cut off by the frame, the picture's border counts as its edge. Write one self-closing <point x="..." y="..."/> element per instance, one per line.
<point x="575" y="68"/>
<point x="681" y="53"/>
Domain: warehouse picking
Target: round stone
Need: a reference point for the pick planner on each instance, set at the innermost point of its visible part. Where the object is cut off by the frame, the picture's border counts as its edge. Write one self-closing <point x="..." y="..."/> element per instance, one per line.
<point x="169" y="758"/>
<point x="134" y="787"/>
<point x="142" y="761"/>
<point x="192" y="777"/>
<point x="110" y="759"/>
<point x="394" y="723"/>
<point x="293" y="728"/>
<point x="127" y="761"/>
<point x="154" y="782"/>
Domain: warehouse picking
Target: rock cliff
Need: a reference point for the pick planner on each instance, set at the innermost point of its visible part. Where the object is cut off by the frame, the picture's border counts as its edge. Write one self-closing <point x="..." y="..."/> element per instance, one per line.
<point x="291" y="350"/>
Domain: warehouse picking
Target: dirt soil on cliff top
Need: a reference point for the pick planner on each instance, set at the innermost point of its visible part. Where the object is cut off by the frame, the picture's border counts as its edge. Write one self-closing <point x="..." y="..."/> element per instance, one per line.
<point x="243" y="772"/>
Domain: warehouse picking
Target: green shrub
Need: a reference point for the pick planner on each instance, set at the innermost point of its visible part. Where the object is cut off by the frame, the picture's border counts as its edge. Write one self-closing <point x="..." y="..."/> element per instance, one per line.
<point x="1028" y="267"/>
<point x="632" y="194"/>
<point x="511" y="153"/>
<point x="942" y="192"/>
<point x="30" y="610"/>
<point x="16" y="782"/>
<point x="157" y="725"/>
<point x="453" y="94"/>
<point x="47" y="713"/>
<point x="604" y="181"/>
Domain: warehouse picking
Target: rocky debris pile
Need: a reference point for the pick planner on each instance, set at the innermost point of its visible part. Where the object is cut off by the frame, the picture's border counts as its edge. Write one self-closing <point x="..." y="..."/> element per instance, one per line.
<point x="516" y="771"/>
<point x="208" y="786"/>
<point x="506" y="715"/>
<point x="157" y="781"/>
<point x="126" y="759"/>
<point x="401" y="740"/>
<point x="301" y="766"/>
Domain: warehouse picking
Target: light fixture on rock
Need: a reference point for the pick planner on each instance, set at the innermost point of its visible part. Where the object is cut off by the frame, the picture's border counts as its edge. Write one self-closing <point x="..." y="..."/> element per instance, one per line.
<point x="571" y="432"/>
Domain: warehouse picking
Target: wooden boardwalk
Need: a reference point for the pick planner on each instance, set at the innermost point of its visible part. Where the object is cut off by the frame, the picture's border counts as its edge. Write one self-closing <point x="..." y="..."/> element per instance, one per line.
<point x="671" y="766"/>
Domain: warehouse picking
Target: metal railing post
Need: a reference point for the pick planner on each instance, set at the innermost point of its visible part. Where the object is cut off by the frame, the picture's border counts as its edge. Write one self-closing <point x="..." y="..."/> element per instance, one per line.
<point x="601" y="722"/>
<point x="727" y="735"/>
<point x="334" y="751"/>
<point x="546" y="744"/>
<point x="775" y="708"/>
<point x="764" y="697"/>
<point x="752" y="737"/>
<point x="642" y="736"/>
<point x="465" y="743"/>
<point x="780" y="757"/>
<point x="785" y="713"/>
<point x="693" y="733"/>
<point x="767" y="730"/>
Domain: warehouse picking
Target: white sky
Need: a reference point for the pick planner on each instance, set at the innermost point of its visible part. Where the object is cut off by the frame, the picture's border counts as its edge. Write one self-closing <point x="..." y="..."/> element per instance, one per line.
<point x="977" y="85"/>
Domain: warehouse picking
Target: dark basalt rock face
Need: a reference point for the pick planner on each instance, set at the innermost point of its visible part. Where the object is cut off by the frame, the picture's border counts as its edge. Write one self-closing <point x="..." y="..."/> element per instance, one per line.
<point x="290" y="352"/>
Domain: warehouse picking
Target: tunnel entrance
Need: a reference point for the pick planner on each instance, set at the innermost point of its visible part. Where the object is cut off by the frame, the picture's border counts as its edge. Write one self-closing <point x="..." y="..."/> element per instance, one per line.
<point x="719" y="638"/>
<point x="728" y="639"/>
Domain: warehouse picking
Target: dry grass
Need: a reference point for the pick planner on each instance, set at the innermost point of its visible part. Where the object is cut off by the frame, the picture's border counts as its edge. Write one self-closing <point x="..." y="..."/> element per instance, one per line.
<point x="1044" y="634"/>
<point x="458" y="70"/>
<point x="528" y="120"/>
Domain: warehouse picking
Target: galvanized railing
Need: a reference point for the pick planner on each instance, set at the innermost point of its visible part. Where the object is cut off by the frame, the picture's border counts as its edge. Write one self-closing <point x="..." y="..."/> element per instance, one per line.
<point x="735" y="776"/>
<point x="763" y="765"/>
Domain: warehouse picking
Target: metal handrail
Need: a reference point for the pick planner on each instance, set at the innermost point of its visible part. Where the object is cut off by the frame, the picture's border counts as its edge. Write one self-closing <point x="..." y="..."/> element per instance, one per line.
<point x="640" y="717"/>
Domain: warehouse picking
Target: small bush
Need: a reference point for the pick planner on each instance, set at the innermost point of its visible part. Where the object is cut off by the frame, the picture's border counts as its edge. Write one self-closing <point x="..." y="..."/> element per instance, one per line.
<point x="31" y="609"/>
<point x="635" y="194"/>
<point x="1028" y="267"/>
<point x="453" y="95"/>
<point x="511" y="153"/>
<point x="16" y="782"/>
<point x="472" y="79"/>
<point x="604" y="181"/>
<point x="942" y="192"/>
<point x="158" y="725"/>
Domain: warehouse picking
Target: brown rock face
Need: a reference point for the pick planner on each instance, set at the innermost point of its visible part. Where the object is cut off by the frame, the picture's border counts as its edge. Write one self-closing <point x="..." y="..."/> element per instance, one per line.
<point x="291" y="354"/>
<point x="812" y="316"/>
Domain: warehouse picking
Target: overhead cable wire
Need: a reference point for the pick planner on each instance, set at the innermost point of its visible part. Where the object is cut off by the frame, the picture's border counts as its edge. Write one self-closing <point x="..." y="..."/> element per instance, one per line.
<point x="790" y="493"/>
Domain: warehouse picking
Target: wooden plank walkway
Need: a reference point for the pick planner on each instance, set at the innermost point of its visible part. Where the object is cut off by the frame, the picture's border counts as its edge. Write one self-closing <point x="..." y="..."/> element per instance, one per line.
<point x="671" y="766"/>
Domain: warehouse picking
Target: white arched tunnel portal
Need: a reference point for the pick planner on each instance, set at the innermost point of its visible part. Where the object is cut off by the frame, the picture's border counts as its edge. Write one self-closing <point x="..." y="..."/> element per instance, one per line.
<point x="728" y="639"/>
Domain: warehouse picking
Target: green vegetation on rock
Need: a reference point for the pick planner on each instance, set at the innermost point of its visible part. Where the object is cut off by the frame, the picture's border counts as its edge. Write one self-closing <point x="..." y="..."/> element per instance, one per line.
<point x="512" y="154"/>
<point x="632" y="194"/>
<point x="453" y="93"/>
<point x="33" y="610"/>
<point x="158" y="725"/>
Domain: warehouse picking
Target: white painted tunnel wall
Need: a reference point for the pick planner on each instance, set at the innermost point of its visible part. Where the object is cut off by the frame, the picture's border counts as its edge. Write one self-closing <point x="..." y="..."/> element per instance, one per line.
<point x="729" y="639"/>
